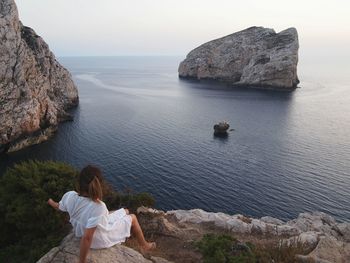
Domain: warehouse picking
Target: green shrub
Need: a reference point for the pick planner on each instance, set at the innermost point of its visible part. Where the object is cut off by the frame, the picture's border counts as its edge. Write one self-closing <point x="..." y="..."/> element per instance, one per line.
<point x="224" y="249"/>
<point x="127" y="200"/>
<point x="29" y="227"/>
<point x="115" y="200"/>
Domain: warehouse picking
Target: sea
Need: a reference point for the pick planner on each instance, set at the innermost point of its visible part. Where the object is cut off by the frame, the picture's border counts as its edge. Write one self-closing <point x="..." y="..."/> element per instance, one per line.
<point x="149" y="131"/>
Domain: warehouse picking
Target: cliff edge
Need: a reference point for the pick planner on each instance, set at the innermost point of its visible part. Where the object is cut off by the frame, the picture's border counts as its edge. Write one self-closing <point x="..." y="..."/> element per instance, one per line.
<point x="35" y="90"/>
<point x="255" y="57"/>
<point x="175" y="232"/>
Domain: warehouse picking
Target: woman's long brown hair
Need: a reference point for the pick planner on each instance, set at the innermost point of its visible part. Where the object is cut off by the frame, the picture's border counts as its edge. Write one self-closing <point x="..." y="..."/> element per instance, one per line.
<point x="90" y="183"/>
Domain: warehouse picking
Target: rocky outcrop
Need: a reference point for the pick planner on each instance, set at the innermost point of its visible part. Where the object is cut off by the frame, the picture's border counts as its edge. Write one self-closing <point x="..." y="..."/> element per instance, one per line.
<point x="329" y="239"/>
<point x="255" y="57"/>
<point x="35" y="90"/>
<point x="175" y="231"/>
<point x="68" y="252"/>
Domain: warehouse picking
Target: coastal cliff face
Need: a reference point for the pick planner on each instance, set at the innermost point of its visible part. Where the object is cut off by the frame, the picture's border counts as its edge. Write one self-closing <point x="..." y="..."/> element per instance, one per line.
<point x="35" y="90"/>
<point x="174" y="231"/>
<point x="256" y="56"/>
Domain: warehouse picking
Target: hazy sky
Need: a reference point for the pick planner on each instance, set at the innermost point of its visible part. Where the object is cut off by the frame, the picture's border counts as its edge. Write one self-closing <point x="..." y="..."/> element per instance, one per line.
<point x="174" y="27"/>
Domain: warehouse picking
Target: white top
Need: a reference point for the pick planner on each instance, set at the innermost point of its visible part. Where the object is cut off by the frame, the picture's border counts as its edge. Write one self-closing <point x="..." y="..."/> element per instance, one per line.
<point x="111" y="228"/>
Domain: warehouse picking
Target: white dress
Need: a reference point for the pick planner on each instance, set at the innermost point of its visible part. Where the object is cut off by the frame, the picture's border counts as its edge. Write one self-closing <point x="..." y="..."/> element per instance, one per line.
<point x="111" y="228"/>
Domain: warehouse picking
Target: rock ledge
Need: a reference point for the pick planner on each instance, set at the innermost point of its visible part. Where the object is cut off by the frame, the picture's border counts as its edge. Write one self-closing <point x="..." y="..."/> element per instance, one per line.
<point x="329" y="240"/>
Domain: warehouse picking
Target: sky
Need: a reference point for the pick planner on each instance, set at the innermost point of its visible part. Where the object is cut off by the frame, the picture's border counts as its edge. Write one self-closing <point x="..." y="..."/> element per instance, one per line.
<point x="174" y="27"/>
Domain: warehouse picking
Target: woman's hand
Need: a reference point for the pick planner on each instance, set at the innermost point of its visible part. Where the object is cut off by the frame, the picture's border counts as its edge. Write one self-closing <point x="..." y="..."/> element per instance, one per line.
<point x="53" y="203"/>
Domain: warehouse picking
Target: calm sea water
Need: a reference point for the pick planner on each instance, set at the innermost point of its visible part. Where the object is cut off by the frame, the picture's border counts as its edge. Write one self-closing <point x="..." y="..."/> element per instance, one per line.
<point x="150" y="131"/>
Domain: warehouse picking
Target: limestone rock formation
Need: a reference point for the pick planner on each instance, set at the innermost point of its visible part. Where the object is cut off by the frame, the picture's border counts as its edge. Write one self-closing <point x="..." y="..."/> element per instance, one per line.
<point x="175" y="231"/>
<point x="68" y="252"/>
<point x="35" y="90"/>
<point x="329" y="239"/>
<point x="254" y="57"/>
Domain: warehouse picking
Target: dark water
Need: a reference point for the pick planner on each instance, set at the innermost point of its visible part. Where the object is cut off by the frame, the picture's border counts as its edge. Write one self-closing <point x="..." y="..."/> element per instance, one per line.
<point x="150" y="131"/>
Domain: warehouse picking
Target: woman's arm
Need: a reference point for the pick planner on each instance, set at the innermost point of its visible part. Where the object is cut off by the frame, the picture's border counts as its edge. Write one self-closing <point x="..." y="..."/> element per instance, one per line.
<point x="53" y="203"/>
<point x="85" y="244"/>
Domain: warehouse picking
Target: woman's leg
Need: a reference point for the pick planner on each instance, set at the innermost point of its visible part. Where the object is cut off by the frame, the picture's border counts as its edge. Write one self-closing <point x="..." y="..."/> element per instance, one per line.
<point x="137" y="232"/>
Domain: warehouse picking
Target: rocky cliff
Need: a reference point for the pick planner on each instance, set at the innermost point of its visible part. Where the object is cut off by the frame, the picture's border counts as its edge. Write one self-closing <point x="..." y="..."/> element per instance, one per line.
<point x="35" y="90"/>
<point x="254" y="57"/>
<point x="327" y="241"/>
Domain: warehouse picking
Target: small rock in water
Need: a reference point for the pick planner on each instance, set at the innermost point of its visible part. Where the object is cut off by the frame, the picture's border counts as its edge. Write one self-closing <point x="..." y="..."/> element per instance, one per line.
<point x="221" y="127"/>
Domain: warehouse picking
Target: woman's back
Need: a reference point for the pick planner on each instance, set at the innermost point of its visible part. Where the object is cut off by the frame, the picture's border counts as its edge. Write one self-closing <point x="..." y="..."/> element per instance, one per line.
<point x="83" y="212"/>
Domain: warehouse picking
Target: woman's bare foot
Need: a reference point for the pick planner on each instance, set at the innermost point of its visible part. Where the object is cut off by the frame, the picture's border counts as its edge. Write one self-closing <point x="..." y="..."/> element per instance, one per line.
<point x="148" y="246"/>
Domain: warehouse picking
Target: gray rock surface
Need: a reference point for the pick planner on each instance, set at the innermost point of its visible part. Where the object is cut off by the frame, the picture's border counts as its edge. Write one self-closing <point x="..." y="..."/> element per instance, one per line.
<point x="329" y="239"/>
<point x="256" y="56"/>
<point x="35" y="90"/>
<point x="68" y="252"/>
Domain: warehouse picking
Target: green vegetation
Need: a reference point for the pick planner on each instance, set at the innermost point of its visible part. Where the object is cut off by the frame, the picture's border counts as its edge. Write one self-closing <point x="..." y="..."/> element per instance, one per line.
<point x="226" y="249"/>
<point x="29" y="227"/>
<point x="132" y="201"/>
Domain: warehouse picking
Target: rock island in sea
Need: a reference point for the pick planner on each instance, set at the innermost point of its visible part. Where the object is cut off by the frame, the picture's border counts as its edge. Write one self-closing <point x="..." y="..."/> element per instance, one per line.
<point x="255" y="57"/>
<point x="35" y="90"/>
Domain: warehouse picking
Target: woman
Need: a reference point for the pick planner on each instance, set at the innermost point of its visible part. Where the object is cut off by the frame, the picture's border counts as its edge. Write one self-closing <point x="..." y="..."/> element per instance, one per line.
<point x="90" y="218"/>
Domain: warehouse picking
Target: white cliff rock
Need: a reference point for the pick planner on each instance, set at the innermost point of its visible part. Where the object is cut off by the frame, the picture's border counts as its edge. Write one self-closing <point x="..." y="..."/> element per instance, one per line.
<point x="309" y="238"/>
<point x="35" y="90"/>
<point x="329" y="239"/>
<point x="235" y="223"/>
<point x="344" y="231"/>
<point x="68" y="252"/>
<point x="316" y="221"/>
<point x="271" y="220"/>
<point x="256" y="56"/>
<point x="329" y="250"/>
<point x="178" y="228"/>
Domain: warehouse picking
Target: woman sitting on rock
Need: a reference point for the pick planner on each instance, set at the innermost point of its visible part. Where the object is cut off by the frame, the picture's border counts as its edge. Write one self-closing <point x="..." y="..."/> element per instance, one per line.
<point x="91" y="220"/>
